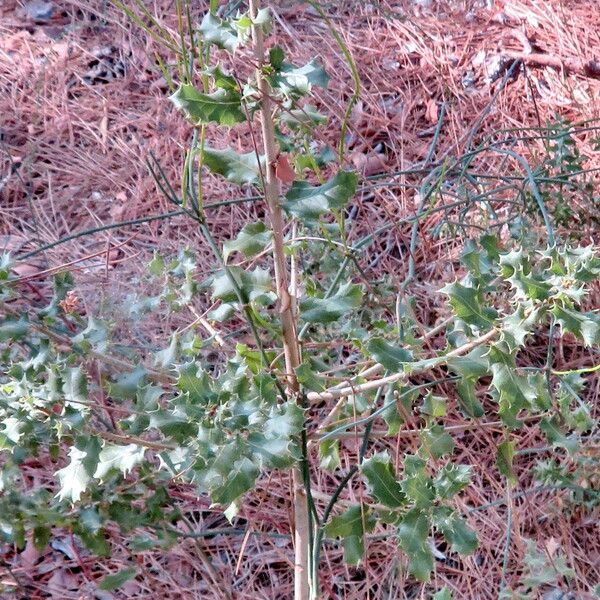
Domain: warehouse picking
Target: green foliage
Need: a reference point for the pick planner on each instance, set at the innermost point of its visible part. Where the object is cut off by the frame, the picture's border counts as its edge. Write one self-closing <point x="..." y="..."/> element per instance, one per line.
<point x="218" y="423"/>
<point x="308" y="202"/>
<point x="222" y="106"/>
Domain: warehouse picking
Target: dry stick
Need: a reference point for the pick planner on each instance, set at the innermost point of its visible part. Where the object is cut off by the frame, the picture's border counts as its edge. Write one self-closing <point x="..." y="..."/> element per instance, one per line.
<point x="288" y="325"/>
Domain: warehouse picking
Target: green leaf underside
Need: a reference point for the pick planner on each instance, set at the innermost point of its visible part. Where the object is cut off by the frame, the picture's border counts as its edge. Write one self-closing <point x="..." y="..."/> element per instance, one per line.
<point x="391" y="357"/>
<point x="218" y="32"/>
<point x="222" y="106"/>
<point x="252" y="239"/>
<point x="112" y="582"/>
<point x="239" y="169"/>
<point x="326" y="310"/>
<point x="351" y="527"/>
<point x="412" y="538"/>
<point x="308" y="202"/>
<point x="383" y="486"/>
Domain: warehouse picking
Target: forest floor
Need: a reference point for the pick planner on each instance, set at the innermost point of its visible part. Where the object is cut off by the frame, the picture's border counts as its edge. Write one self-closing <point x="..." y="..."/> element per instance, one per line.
<point x="82" y="105"/>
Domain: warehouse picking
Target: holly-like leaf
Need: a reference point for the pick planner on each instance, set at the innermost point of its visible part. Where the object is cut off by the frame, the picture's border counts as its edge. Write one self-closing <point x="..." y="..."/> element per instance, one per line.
<point x="238" y="480"/>
<point x="433" y="406"/>
<point x="351" y="527"/>
<point x="95" y="335"/>
<point x="252" y="239"/>
<point x="74" y="478"/>
<point x="307" y="116"/>
<point x="116" y="580"/>
<point x="237" y="168"/>
<point x="437" y="441"/>
<point x="329" y="455"/>
<point x="75" y="388"/>
<point x="585" y="326"/>
<point x="383" y="486"/>
<point x="543" y="569"/>
<point x="391" y="357"/>
<point x="412" y="538"/>
<point x="223" y="106"/>
<point x="517" y="270"/>
<point x="517" y="326"/>
<point x="219" y="32"/>
<point x="167" y="357"/>
<point x="451" y="479"/>
<point x="504" y="460"/>
<point x="462" y="539"/>
<point x="515" y="391"/>
<point x="308" y="202"/>
<point x="127" y="385"/>
<point x="254" y="285"/>
<point x="298" y="81"/>
<point x="416" y="484"/>
<point x="13" y="329"/>
<point x="443" y="594"/>
<point x="466" y="302"/>
<point x="326" y="310"/>
<point x="122" y="458"/>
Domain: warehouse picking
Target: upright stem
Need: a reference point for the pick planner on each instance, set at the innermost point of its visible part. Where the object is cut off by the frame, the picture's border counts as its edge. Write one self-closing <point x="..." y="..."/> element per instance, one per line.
<point x="288" y="324"/>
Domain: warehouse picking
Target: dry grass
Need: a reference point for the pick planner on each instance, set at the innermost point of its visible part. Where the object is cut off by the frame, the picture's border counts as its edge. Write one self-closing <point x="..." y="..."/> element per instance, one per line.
<point x="71" y="152"/>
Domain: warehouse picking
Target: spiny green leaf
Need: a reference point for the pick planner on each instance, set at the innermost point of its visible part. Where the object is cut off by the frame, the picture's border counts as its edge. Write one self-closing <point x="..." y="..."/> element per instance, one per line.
<point x="466" y="302"/>
<point x="585" y="326"/>
<point x="517" y="270"/>
<point x="285" y="421"/>
<point x="127" y="384"/>
<point x="254" y="285"/>
<point x="351" y="526"/>
<point x="443" y="594"/>
<point x="73" y="478"/>
<point x="451" y="479"/>
<point x="391" y="357"/>
<point x="274" y="452"/>
<point x="219" y="32"/>
<point x="222" y="106"/>
<point x="542" y="569"/>
<point x="95" y="335"/>
<point x="433" y="406"/>
<point x="122" y="458"/>
<point x="307" y="116"/>
<point x="75" y="388"/>
<point x="412" y="537"/>
<point x="325" y="310"/>
<point x="298" y="81"/>
<point x="472" y="365"/>
<point x="308" y="202"/>
<point x="515" y="391"/>
<point x="329" y="455"/>
<point x="194" y="381"/>
<point x="167" y="357"/>
<point x="462" y="539"/>
<point x="504" y="460"/>
<point x="252" y="239"/>
<point x="517" y="326"/>
<point x="237" y="482"/>
<point x="383" y="486"/>
<point x="467" y="399"/>
<point x="238" y="168"/>
<point x="416" y="484"/>
<point x="437" y="441"/>
<point x="11" y="329"/>
<point x="112" y="582"/>
<point x="307" y="374"/>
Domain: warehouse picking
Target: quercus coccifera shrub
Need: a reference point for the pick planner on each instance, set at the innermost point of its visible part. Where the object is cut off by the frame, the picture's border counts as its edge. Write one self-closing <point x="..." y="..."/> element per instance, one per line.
<point x="219" y="423"/>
